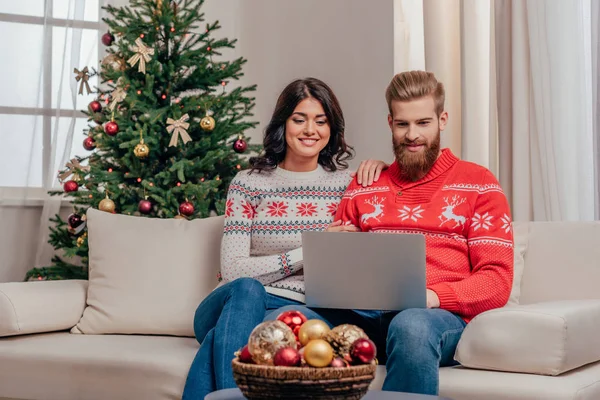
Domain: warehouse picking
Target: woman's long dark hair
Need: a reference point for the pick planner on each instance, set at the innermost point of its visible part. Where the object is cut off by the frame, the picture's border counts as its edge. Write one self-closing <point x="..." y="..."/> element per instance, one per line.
<point x="333" y="156"/>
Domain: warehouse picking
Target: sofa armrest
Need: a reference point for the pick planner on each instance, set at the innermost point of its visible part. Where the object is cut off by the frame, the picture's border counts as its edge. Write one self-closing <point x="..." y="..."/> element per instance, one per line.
<point x="46" y="306"/>
<point x="546" y="338"/>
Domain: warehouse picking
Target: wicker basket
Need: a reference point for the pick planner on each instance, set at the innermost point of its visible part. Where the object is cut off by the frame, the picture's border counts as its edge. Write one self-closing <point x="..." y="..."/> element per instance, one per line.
<point x="265" y="382"/>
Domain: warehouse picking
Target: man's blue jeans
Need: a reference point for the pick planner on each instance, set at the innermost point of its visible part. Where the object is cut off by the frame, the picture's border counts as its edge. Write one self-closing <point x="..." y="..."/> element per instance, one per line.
<point x="222" y="324"/>
<point x="416" y="341"/>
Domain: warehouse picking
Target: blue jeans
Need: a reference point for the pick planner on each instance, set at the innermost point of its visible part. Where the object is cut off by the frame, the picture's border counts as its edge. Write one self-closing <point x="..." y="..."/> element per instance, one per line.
<point x="222" y="324"/>
<point x="417" y="342"/>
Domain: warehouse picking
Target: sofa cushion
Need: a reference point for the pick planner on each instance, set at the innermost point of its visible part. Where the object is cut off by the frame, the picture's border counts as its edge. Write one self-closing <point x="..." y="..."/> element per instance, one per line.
<point x="148" y="275"/>
<point x="521" y="238"/>
<point x="24" y="306"/>
<point x="62" y="366"/>
<point x="460" y="383"/>
<point x="545" y="338"/>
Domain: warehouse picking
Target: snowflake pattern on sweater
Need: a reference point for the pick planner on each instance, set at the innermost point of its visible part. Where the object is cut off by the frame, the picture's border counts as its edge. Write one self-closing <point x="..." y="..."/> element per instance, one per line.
<point x="265" y="215"/>
<point x="461" y="210"/>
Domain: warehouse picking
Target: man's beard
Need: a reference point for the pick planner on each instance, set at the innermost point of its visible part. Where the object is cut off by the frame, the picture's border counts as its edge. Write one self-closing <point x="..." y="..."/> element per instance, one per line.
<point x="415" y="166"/>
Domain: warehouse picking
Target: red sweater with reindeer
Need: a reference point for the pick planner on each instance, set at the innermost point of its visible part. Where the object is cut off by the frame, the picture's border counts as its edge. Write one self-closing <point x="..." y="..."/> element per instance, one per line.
<point x="464" y="215"/>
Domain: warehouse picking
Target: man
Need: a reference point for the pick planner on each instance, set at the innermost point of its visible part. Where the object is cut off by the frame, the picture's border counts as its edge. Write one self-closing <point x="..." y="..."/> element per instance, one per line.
<point x="464" y="215"/>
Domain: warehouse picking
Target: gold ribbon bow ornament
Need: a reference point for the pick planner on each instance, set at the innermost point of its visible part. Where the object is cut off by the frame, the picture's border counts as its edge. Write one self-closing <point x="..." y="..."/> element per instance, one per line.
<point x="142" y="54"/>
<point x="83" y="76"/>
<point x="178" y="127"/>
<point x="72" y="166"/>
<point x="118" y="95"/>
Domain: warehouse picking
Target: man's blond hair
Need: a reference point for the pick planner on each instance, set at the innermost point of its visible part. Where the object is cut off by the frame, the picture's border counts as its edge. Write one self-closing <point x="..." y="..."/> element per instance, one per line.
<point x="412" y="85"/>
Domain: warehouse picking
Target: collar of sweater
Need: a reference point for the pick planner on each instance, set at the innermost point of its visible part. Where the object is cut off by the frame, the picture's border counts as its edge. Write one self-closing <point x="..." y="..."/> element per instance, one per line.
<point x="292" y="175"/>
<point x="444" y="162"/>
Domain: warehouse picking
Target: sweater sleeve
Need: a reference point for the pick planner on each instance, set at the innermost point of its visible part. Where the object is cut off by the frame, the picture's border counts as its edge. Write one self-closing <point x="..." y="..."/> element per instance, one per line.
<point x="490" y="243"/>
<point x="347" y="211"/>
<point x="237" y="260"/>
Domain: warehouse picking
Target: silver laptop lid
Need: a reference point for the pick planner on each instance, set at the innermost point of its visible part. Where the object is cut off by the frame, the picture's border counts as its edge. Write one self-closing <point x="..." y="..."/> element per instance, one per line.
<point x="367" y="271"/>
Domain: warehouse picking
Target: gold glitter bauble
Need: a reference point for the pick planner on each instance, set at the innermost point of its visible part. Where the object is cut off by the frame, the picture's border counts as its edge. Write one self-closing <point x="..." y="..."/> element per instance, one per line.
<point x="267" y="338"/>
<point x="107" y="205"/>
<point x="318" y="353"/>
<point x="342" y="337"/>
<point x="312" y="329"/>
<point x="81" y="239"/>
<point x="141" y="150"/>
<point x="207" y="123"/>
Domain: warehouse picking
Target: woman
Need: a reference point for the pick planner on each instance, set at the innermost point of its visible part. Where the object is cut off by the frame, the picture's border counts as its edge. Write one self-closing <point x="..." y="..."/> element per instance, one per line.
<point x="294" y="186"/>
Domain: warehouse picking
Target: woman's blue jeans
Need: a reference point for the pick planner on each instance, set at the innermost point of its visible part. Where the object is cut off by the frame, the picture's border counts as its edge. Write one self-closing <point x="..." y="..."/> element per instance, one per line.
<point x="222" y="324"/>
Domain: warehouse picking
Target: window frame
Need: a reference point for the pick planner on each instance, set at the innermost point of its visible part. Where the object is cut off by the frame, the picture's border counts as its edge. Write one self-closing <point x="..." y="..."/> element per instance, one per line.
<point x="34" y="196"/>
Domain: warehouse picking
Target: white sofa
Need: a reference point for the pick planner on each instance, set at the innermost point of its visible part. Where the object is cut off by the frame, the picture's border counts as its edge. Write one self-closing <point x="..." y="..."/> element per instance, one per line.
<point x="554" y="328"/>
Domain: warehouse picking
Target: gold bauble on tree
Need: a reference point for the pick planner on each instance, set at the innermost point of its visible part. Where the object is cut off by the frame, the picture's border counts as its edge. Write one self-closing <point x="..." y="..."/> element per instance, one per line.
<point x="81" y="239"/>
<point x="208" y="122"/>
<point x="318" y="353"/>
<point x="311" y="330"/>
<point x="107" y="205"/>
<point x="141" y="150"/>
<point x="267" y="338"/>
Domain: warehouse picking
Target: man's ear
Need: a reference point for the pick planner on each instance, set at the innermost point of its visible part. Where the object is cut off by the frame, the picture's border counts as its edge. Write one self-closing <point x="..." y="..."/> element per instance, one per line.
<point x="443" y="120"/>
<point x="390" y="120"/>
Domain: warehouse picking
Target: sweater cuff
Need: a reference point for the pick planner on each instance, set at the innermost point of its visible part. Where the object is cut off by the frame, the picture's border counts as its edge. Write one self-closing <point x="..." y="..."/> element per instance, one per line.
<point x="295" y="256"/>
<point x="448" y="299"/>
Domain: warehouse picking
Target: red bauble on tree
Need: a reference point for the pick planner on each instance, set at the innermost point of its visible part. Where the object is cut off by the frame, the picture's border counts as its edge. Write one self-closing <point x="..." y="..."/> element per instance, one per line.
<point x="240" y="146"/>
<point x="89" y="143"/>
<point x="95" y="106"/>
<point x="287" y="357"/>
<point x="111" y="128"/>
<point x="363" y="351"/>
<point x="293" y="319"/>
<point x="145" y="206"/>
<point x="186" y="208"/>
<point x="108" y="39"/>
<point x="70" y="186"/>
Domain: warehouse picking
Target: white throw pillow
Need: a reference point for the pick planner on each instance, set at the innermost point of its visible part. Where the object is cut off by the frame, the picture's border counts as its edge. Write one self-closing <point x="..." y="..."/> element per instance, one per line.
<point x="148" y="275"/>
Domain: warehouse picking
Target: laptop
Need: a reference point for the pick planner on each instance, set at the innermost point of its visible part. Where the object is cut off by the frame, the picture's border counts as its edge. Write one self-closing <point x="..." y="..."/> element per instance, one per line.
<point x="364" y="271"/>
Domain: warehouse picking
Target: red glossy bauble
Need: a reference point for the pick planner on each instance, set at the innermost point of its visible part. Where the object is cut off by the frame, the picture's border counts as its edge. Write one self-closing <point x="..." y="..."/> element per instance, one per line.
<point x="363" y="351"/>
<point x="145" y="206"/>
<point x="287" y="357"/>
<point x="111" y="128"/>
<point x="186" y="208"/>
<point x="108" y="39"/>
<point x="240" y="146"/>
<point x="293" y="319"/>
<point x="70" y="186"/>
<point x="74" y="220"/>
<point x="245" y="356"/>
<point x="95" y="106"/>
<point x="89" y="143"/>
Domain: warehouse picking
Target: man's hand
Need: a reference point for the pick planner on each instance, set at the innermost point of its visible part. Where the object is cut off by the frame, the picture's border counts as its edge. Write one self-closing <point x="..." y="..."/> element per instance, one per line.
<point x="337" y="226"/>
<point x="369" y="172"/>
<point x="433" y="301"/>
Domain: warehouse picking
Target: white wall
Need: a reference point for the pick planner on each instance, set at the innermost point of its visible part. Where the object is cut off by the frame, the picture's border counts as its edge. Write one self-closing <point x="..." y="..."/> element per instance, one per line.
<point x="346" y="43"/>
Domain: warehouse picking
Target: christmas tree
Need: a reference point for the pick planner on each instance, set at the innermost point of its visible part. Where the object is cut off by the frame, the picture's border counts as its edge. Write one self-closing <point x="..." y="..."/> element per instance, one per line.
<point x="166" y="132"/>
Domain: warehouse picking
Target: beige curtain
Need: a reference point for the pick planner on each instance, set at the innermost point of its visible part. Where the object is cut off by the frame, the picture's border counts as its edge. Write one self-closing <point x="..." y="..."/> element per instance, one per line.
<point x="522" y="93"/>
